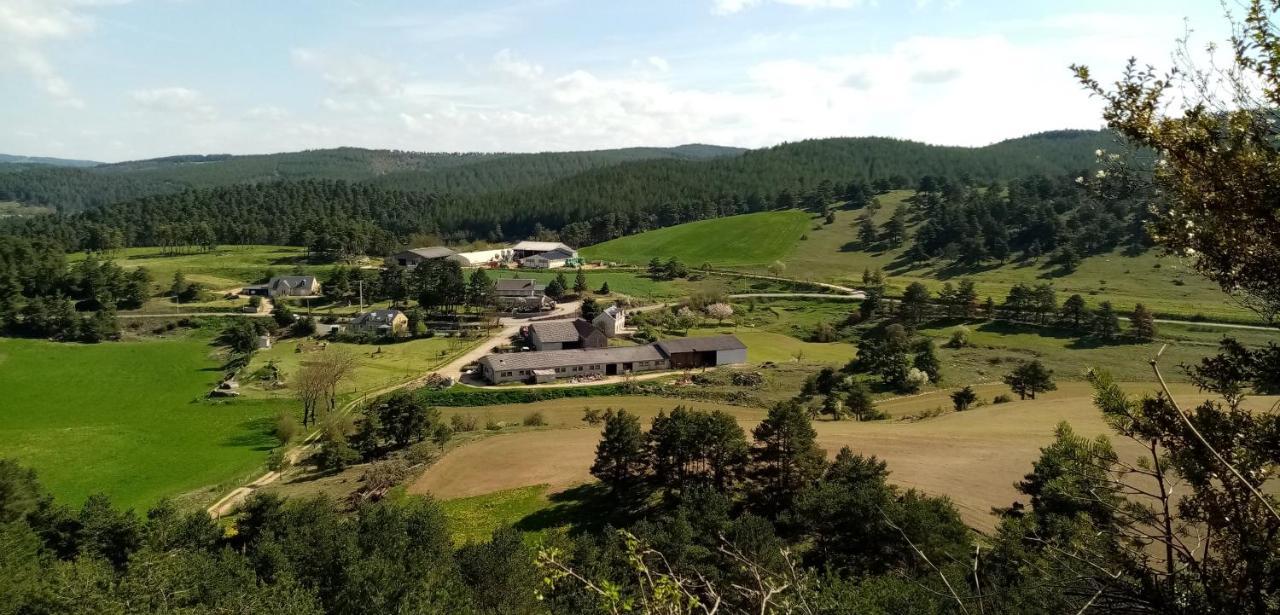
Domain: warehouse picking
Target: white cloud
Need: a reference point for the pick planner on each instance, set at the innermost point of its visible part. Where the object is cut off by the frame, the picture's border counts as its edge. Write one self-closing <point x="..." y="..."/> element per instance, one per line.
<point x="728" y="7"/>
<point x="175" y="99"/>
<point x="27" y="27"/>
<point x="504" y="61"/>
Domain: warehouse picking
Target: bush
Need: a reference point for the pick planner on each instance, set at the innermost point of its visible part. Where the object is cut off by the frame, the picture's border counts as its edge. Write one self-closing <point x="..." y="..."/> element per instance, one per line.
<point x="592" y="416"/>
<point x="418" y="454"/>
<point x="534" y="419"/>
<point x="959" y="338"/>
<point x="462" y="422"/>
<point x="468" y="396"/>
<point x="491" y="425"/>
<point x="287" y="427"/>
<point x="1002" y="398"/>
<point x="277" y="460"/>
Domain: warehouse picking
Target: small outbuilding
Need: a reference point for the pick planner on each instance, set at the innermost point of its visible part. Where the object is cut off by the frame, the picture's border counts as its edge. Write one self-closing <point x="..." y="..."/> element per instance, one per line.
<point x="565" y="335"/>
<point x="554" y="259"/>
<point x="386" y="323"/>
<point x="694" y="352"/>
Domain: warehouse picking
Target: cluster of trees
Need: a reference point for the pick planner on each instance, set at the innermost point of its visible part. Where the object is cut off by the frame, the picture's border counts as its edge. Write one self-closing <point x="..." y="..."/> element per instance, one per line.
<point x="838" y="395"/>
<point x="436" y="285"/>
<point x="670" y="269"/>
<point x="970" y="224"/>
<point x="392" y="422"/>
<point x="40" y="296"/>
<point x="903" y="362"/>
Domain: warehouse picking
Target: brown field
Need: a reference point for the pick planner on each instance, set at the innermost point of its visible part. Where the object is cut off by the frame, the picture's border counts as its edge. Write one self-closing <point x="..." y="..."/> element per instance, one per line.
<point x="973" y="457"/>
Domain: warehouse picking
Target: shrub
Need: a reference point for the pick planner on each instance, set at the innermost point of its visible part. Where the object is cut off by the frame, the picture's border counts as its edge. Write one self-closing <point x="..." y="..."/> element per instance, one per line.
<point x="419" y="454"/>
<point x="287" y="427"/>
<point x="959" y="338"/>
<point x="491" y="425"/>
<point x="277" y="460"/>
<point x="534" y="419"/>
<point x="592" y="416"/>
<point x="462" y="422"/>
<point x="1002" y="398"/>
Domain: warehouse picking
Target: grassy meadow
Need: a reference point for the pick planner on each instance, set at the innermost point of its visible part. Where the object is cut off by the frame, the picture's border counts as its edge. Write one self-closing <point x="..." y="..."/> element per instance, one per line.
<point x="737" y="241"/>
<point x="813" y="250"/>
<point x="129" y="419"/>
<point x="223" y="268"/>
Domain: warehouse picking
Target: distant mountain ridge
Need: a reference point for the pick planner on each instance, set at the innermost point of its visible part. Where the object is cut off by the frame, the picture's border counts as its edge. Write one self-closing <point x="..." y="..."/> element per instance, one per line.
<point x="45" y="160"/>
<point x="518" y="179"/>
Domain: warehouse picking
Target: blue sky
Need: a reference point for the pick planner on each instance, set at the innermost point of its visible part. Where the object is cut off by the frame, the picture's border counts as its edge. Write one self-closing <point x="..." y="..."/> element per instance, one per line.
<point x="123" y="79"/>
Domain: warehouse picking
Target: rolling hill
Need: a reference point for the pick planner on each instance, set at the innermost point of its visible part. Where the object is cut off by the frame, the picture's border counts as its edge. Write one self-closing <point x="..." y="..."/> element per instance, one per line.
<point x="77" y="189"/>
<point x="832" y="253"/>
<point x="9" y="159"/>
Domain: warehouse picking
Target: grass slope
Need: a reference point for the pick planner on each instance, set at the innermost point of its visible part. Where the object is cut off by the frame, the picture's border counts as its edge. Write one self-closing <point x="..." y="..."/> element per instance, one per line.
<point x="832" y="253"/>
<point x="128" y="419"/>
<point x="747" y="240"/>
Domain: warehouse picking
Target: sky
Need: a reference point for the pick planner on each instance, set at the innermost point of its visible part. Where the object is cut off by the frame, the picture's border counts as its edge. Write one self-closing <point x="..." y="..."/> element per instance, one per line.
<point x="118" y="80"/>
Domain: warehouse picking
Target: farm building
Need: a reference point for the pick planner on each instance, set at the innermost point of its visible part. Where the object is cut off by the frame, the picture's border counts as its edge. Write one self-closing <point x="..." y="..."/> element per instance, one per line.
<point x="381" y="322"/>
<point x="551" y="364"/>
<point x="566" y="334"/>
<point x="554" y="259"/>
<point x="521" y="366"/>
<point x="412" y="258"/>
<point x="518" y="293"/>
<point x="526" y="249"/>
<point x="285" y="286"/>
<point x="693" y="352"/>
<point x="482" y="258"/>
<point x="611" y="320"/>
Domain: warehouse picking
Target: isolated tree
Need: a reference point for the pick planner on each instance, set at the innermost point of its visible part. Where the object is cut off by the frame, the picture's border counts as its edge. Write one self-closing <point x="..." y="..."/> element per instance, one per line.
<point x="555" y="288"/>
<point x="1073" y="312"/>
<point x="404" y="419"/>
<point x="720" y="311"/>
<point x="1105" y="323"/>
<point x="622" y="456"/>
<point x="786" y="458"/>
<point x="656" y="270"/>
<point x="685" y="319"/>
<point x="480" y="288"/>
<point x="866" y="231"/>
<point x="1029" y="378"/>
<point x="1142" y="323"/>
<point x="580" y="282"/>
<point x="926" y="359"/>
<point x="858" y="402"/>
<point x="604" y="289"/>
<point x="589" y="309"/>
<point x="964" y="398"/>
<point x="777" y="268"/>
<point x="914" y="306"/>
<point x="895" y="230"/>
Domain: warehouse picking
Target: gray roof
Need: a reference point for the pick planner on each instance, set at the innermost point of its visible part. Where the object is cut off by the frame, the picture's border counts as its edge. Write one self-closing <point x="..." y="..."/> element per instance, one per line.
<point x="555" y="255"/>
<point x="562" y="330"/>
<point x="701" y="344"/>
<point x="433" y="252"/>
<point x="550" y="359"/>
<point x="377" y="317"/>
<point x="295" y="281"/>
<point x="517" y="284"/>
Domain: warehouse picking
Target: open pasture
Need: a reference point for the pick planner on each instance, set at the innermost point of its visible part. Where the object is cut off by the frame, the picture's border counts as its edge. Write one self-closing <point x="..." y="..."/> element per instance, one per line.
<point x="129" y="419"/>
<point x="973" y="457"/>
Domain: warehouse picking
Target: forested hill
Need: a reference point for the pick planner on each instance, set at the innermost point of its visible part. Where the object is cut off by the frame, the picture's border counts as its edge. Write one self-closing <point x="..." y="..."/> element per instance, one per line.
<point x="76" y="189"/>
<point x="509" y="172"/>
<point x="6" y="159"/>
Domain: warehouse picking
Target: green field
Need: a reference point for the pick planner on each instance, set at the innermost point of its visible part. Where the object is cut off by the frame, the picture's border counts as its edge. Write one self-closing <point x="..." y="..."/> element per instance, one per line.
<point x="378" y="366"/>
<point x="832" y="253"/>
<point x="751" y="240"/>
<point x="225" y="267"/>
<point x="128" y="419"/>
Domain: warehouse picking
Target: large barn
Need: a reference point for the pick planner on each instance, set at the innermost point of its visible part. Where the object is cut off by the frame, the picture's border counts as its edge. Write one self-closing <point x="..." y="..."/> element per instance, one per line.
<point x="547" y="366"/>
